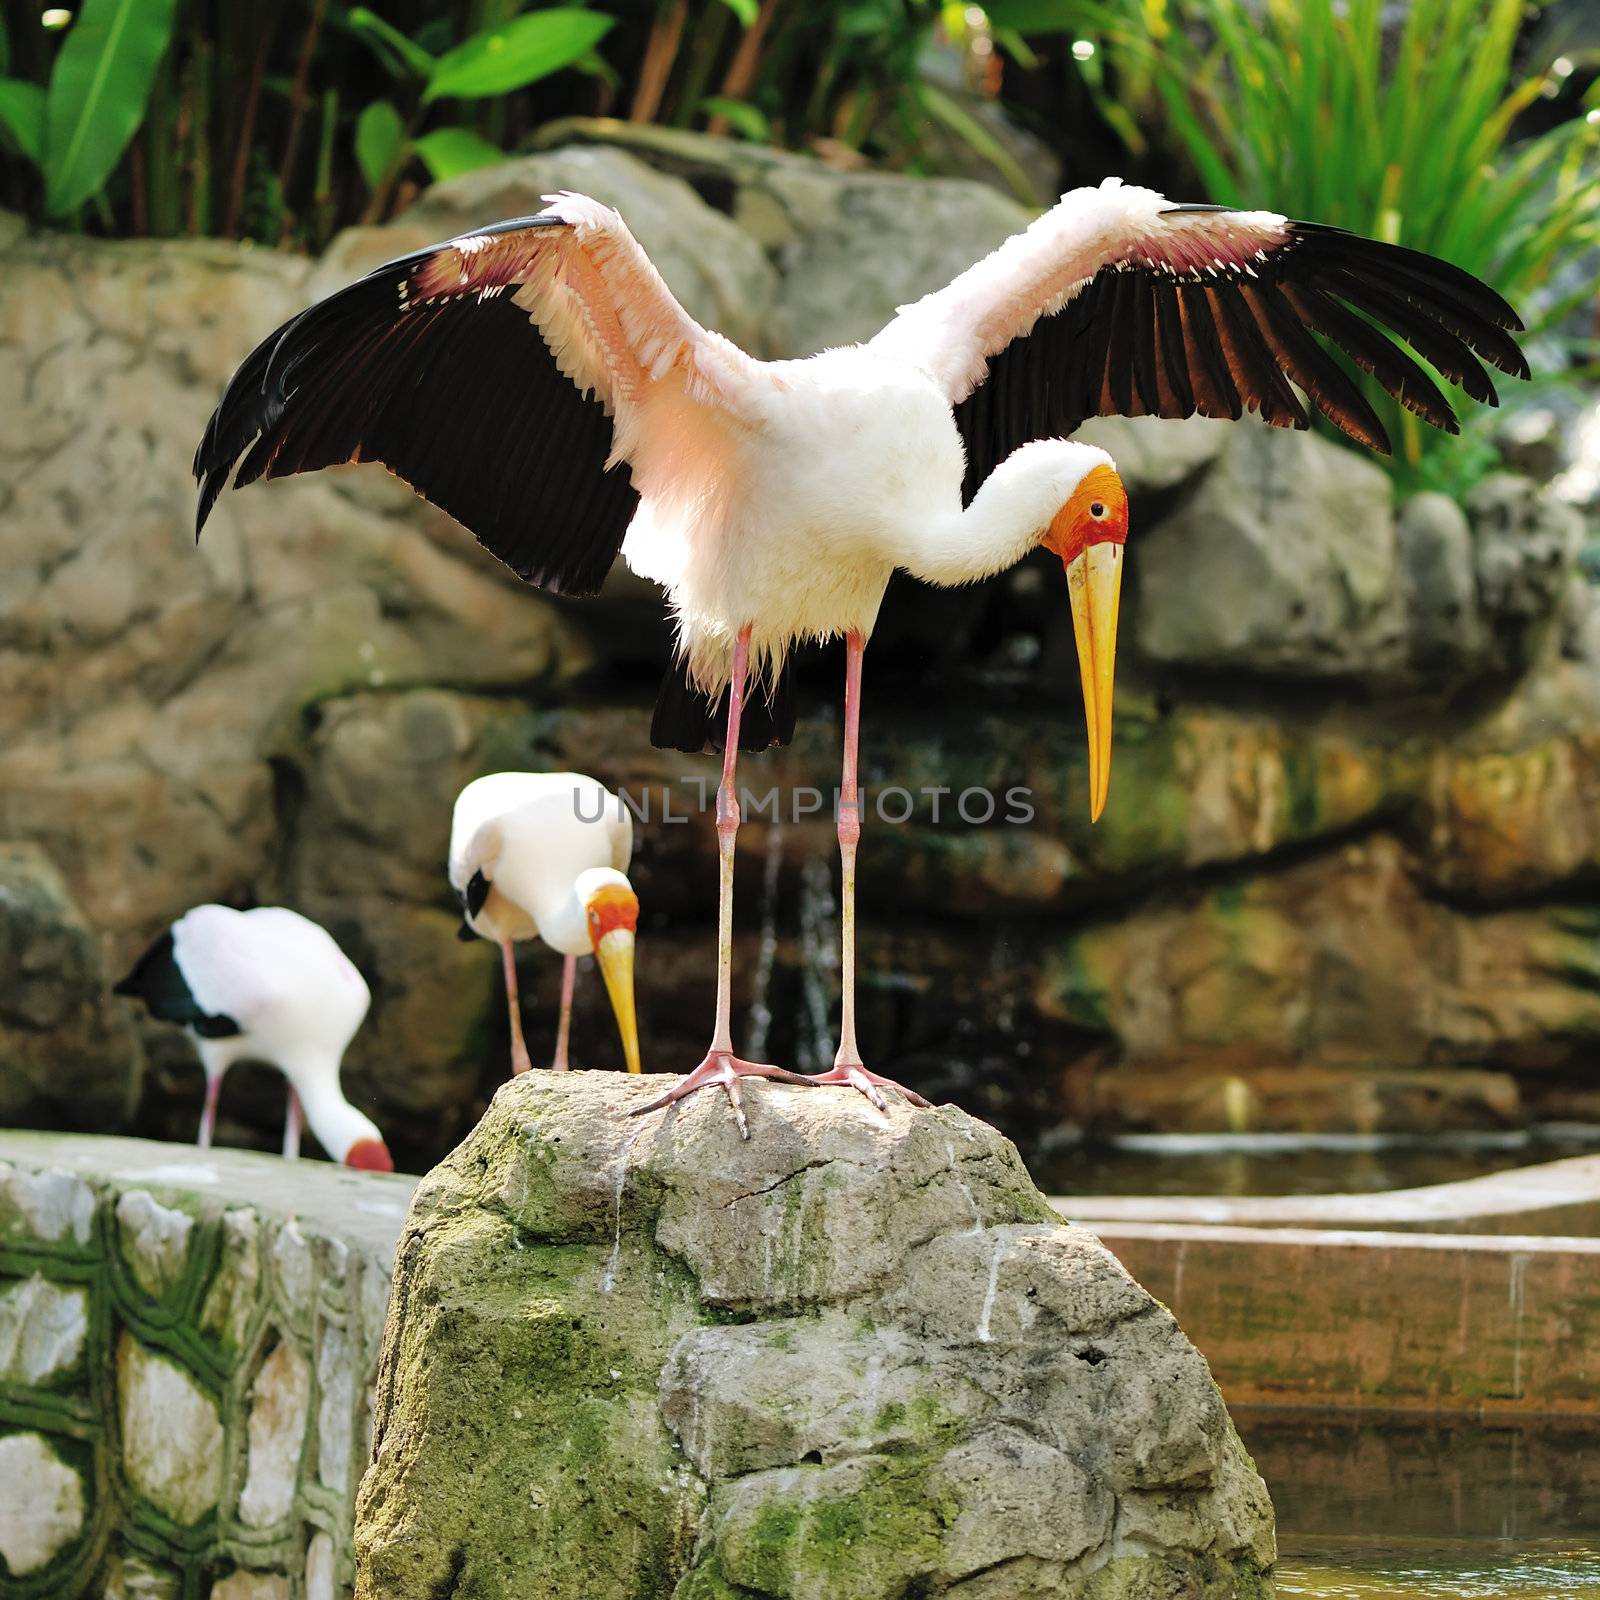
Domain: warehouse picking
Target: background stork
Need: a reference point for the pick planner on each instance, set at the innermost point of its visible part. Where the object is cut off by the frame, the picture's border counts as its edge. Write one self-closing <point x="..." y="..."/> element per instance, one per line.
<point x="266" y="985"/>
<point x="545" y="854"/>
<point x="538" y="381"/>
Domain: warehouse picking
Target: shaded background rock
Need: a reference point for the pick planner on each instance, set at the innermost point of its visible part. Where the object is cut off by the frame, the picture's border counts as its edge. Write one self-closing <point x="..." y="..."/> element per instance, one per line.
<point x="855" y="1355"/>
<point x="1349" y="731"/>
<point x="68" y="1050"/>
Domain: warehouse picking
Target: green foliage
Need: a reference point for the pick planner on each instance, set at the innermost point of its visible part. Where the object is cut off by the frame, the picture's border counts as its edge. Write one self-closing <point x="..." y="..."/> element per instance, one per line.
<point x="448" y="152"/>
<point x="1310" y="108"/>
<point x="521" y="52"/>
<point x="22" y="116"/>
<point x="76" y="130"/>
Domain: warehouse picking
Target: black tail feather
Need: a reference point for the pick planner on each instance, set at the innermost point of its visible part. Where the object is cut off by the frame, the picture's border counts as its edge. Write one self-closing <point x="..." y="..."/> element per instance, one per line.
<point x="688" y="719"/>
<point x="159" y="981"/>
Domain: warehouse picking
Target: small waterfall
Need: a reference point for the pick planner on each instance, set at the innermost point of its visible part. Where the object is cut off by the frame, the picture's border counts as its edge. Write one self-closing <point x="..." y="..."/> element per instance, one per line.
<point x="819" y="964"/>
<point x="767" y="951"/>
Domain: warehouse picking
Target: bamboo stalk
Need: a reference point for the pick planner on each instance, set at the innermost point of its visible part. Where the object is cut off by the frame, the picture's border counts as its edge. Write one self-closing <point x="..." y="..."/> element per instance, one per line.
<point x="666" y="34"/>
<point x="741" y="74"/>
<point x="297" y="110"/>
<point x="247" y="129"/>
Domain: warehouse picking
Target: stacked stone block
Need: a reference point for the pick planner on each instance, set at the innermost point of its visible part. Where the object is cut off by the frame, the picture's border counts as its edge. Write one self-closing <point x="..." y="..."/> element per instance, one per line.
<point x="187" y="1345"/>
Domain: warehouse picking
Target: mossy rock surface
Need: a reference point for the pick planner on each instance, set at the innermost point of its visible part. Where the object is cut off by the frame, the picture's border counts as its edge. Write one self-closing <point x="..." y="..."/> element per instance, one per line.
<point x="856" y="1358"/>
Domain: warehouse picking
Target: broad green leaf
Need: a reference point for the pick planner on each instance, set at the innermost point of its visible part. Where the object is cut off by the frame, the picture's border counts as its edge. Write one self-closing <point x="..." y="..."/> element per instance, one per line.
<point x="448" y="152"/>
<point x="98" y="88"/>
<point x="380" y="132"/>
<point x="744" y="118"/>
<point x="392" y="46"/>
<point x="521" y="52"/>
<point x="22" y="116"/>
<point x="745" y="10"/>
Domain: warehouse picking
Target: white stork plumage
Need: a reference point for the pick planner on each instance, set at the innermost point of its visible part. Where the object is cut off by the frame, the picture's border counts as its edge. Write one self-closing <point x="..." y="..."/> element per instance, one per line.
<point x="538" y="381"/>
<point x="545" y="855"/>
<point x="266" y="985"/>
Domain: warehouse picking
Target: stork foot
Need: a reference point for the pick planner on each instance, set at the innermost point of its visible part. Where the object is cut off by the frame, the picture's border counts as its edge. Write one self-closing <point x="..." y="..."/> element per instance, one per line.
<point x="852" y="1075"/>
<point x="725" y="1069"/>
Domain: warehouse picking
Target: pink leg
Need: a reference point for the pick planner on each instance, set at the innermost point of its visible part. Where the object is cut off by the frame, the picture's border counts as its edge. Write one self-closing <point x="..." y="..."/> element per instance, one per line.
<point x="569" y="974"/>
<point x="293" y="1121"/>
<point x="520" y="1061"/>
<point x="847" y="1067"/>
<point x="208" y="1111"/>
<point x="721" y="1065"/>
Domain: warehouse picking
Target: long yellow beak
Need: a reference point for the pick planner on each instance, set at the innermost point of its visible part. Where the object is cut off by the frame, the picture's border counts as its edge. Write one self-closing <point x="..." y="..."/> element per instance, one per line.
<point x="1094" y="582"/>
<point x="615" y="954"/>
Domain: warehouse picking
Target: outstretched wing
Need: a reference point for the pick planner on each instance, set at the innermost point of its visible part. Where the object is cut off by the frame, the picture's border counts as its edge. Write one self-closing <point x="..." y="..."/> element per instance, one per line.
<point x="497" y="373"/>
<point x="1119" y="303"/>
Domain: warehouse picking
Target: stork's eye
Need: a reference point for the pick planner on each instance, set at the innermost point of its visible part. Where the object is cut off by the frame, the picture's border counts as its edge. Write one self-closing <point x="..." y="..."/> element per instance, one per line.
<point x="1098" y="511"/>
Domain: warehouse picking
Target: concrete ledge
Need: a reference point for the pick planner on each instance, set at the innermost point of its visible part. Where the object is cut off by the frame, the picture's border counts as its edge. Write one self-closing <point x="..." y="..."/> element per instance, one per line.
<point x="1336" y="1318"/>
<point x="187" y="1342"/>
<point x="1554" y="1197"/>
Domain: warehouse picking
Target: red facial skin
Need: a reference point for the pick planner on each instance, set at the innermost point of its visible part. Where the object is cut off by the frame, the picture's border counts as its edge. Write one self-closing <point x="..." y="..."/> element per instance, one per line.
<point x="1076" y="527"/>
<point x="370" y="1155"/>
<point x="609" y="912"/>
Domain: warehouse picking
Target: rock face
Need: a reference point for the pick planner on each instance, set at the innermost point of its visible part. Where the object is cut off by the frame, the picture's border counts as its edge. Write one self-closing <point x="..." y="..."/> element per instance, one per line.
<point x="856" y="1356"/>
<point x="55" y="1008"/>
<point x="287" y="713"/>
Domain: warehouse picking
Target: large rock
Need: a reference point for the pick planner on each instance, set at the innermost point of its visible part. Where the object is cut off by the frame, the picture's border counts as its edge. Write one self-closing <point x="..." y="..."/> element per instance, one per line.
<point x="1341" y="963"/>
<point x="849" y="246"/>
<point x="69" y="1054"/>
<point x="856" y="1356"/>
<point x="1282" y="563"/>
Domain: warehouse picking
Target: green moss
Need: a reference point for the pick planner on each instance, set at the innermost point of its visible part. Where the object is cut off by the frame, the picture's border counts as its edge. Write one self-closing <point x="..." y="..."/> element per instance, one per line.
<point x="1169" y="1577"/>
<point x="858" y="1531"/>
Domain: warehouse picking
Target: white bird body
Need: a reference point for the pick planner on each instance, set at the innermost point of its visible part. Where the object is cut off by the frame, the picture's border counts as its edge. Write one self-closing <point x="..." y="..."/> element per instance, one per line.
<point x="533" y="835"/>
<point x="265" y="985"/>
<point x="545" y="855"/>
<point x="847" y="463"/>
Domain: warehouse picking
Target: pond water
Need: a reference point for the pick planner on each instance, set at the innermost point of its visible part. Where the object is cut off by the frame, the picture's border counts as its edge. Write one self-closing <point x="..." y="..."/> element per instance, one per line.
<point x="1297" y="1164"/>
<point x="1431" y="1508"/>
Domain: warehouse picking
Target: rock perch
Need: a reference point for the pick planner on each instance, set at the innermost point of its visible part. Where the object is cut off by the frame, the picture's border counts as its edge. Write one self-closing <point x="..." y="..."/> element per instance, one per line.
<point x="856" y="1358"/>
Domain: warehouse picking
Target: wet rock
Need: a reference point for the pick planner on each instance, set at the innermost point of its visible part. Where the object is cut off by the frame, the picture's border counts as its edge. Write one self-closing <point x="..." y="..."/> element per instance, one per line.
<point x="1337" y="963"/>
<point x="56" y="1007"/>
<point x="855" y="1355"/>
<point x="1282" y="563"/>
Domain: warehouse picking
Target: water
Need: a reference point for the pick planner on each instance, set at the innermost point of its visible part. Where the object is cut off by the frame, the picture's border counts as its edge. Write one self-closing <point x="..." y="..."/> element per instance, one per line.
<point x="1289" y="1164"/>
<point x="1430" y="1508"/>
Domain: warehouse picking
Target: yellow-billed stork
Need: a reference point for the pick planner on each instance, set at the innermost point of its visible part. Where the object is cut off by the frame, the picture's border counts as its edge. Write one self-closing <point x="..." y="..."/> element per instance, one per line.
<point x="545" y="854"/>
<point x="266" y="985"/>
<point x="538" y="381"/>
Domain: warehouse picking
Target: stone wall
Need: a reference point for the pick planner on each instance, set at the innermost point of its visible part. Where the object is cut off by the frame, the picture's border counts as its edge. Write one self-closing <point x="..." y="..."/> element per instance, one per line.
<point x="187" y="1342"/>
<point x="1352" y="834"/>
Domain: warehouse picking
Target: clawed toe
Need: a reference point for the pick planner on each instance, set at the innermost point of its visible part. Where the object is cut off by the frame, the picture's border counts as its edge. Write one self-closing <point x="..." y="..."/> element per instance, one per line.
<point x="723" y="1068"/>
<point x="852" y="1075"/>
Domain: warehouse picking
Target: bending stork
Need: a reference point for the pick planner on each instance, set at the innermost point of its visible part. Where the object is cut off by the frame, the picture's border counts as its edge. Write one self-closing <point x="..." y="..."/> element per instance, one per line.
<point x="546" y="854"/>
<point x="266" y="985"/>
<point x="538" y="381"/>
